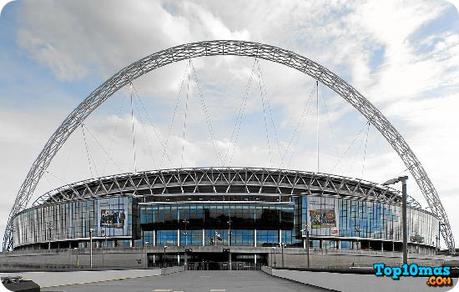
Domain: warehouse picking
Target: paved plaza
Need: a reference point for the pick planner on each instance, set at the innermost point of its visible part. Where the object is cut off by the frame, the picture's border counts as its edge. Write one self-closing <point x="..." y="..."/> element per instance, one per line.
<point x="196" y="281"/>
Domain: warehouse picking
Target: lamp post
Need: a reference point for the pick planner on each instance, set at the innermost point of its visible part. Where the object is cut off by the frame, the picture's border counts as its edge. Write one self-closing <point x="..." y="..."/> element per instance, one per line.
<point x="229" y="231"/>
<point x="91" y="230"/>
<point x="282" y="250"/>
<point x="403" y="180"/>
<point x="306" y="230"/>
<point x="186" y="222"/>
<point x="50" y="228"/>
<point x="145" y="247"/>
<point x="164" y="256"/>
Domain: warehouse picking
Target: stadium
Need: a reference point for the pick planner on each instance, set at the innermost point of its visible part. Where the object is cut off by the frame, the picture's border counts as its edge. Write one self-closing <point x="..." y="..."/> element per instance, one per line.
<point x="222" y="217"/>
<point x="256" y="209"/>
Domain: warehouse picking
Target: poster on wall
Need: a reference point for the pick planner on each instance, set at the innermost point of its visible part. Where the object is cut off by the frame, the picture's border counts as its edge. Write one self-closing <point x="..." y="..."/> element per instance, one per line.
<point x="322" y="213"/>
<point x="322" y="218"/>
<point x="112" y="218"/>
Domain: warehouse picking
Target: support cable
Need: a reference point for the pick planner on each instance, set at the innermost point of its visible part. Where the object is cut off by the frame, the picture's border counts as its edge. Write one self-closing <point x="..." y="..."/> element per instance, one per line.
<point x="357" y="136"/>
<point x="298" y="128"/>
<point x="268" y="106"/>
<point x="110" y="158"/>
<point x="318" y="126"/>
<point x="171" y="125"/>
<point x="112" y="141"/>
<point x="134" y="154"/>
<point x="150" y="121"/>
<point x="185" y="117"/>
<point x="330" y="130"/>
<point x="88" y="155"/>
<point x="265" y="122"/>
<point x="240" y="117"/>
<point x="365" y="148"/>
<point x="142" y="122"/>
<point x="207" y="116"/>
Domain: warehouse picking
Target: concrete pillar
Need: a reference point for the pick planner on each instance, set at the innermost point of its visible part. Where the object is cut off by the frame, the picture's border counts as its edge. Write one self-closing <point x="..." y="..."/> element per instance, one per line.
<point x="229" y="261"/>
<point x="280" y="236"/>
<point x="203" y="237"/>
<point x="154" y="238"/>
<point x="178" y="237"/>
<point x="255" y="238"/>
<point x="178" y="260"/>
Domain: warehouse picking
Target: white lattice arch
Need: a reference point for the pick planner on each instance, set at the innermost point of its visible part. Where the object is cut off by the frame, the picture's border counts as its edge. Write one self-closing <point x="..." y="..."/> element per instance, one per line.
<point x="237" y="48"/>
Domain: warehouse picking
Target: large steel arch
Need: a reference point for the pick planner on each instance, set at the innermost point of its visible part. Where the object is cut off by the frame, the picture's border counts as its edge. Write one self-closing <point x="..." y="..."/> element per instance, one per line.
<point x="238" y="48"/>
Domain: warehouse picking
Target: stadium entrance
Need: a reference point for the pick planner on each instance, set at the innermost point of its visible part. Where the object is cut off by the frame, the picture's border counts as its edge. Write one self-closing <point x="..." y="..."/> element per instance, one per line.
<point x="210" y="260"/>
<point x="225" y="261"/>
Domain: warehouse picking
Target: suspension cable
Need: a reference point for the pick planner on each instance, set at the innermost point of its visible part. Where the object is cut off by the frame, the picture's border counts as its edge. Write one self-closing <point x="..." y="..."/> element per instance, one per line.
<point x="299" y="125"/>
<point x="133" y="128"/>
<point x="112" y="141"/>
<point x="357" y="136"/>
<point x="88" y="155"/>
<point x="144" y="128"/>
<point x="240" y="116"/>
<point x="177" y="103"/>
<point x="207" y="115"/>
<point x="365" y="148"/>
<point x="185" y="117"/>
<point x="318" y="126"/>
<point x="330" y="130"/>
<point x="265" y="121"/>
<point x="85" y="127"/>
<point x="150" y="120"/>
<point x="268" y="106"/>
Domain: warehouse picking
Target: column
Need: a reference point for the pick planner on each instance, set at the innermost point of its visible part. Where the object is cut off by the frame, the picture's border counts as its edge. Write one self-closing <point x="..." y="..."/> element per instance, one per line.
<point x="203" y="237"/>
<point x="178" y="237"/>
<point x="255" y="238"/>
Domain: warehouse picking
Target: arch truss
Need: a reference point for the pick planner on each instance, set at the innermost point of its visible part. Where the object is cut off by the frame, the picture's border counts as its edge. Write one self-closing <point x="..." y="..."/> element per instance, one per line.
<point x="236" y="48"/>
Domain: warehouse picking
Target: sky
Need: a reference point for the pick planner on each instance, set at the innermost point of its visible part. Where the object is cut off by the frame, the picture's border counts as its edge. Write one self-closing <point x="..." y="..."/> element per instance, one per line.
<point x="403" y="56"/>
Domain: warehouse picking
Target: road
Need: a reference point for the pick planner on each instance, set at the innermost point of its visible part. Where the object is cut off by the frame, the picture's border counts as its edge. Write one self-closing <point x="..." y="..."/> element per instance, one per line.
<point x="196" y="281"/>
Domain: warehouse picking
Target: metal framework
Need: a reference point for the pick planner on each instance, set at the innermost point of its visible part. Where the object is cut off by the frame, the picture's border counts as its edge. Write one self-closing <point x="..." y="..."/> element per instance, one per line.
<point x="237" y="48"/>
<point x="221" y="181"/>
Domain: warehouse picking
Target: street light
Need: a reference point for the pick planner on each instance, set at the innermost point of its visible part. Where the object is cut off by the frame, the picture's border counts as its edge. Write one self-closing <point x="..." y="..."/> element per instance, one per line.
<point x="403" y="180"/>
<point x="50" y="228"/>
<point x="306" y="230"/>
<point x="145" y="246"/>
<point x="164" y="255"/>
<point x="105" y="236"/>
<point x="229" y="231"/>
<point x="186" y="222"/>
<point x="273" y="259"/>
<point x="91" y="230"/>
<point x="282" y="250"/>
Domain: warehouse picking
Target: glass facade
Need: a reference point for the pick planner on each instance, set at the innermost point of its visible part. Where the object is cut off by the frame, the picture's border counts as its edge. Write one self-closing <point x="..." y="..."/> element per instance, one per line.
<point x="214" y="223"/>
<point x="332" y="222"/>
<point x="346" y="218"/>
<point x="107" y="217"/>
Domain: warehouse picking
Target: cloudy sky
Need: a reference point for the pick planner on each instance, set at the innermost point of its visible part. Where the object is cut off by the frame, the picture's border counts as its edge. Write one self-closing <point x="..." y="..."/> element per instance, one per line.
<point x="402" y="55"/>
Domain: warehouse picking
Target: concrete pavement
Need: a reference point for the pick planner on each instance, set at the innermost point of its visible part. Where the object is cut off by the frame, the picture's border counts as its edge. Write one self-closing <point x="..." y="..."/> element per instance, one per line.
<point x="196" y="281"/>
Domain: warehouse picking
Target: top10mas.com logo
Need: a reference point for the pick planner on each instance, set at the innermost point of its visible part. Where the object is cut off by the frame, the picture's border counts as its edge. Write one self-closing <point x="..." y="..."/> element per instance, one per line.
<point x="437" y="276"/>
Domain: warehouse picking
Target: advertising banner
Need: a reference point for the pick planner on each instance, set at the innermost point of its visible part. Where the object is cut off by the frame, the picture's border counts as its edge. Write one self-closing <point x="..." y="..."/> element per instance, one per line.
<point x="112" y="217"/>
<point x="322" y="218"/>
<point x="322" y="215"/>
